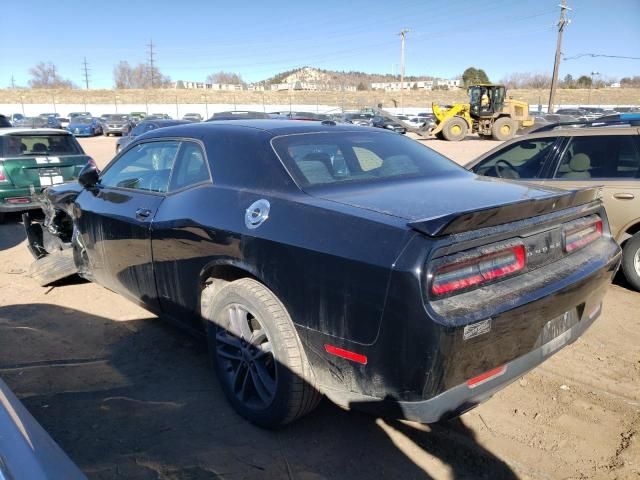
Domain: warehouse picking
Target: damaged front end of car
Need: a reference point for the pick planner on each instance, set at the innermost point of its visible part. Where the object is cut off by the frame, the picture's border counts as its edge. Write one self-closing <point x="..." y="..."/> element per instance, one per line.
<point x="53" y="242"/>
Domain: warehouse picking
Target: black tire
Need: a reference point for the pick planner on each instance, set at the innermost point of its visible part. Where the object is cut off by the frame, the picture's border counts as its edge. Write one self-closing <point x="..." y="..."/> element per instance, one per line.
<point x="455" y="129"/>
<point x="1" y="217"/>
<point x="504" y="129"/>
<point x="631" y="261"/>
<point x="242" y="364"/>
<point x="439" y="135"/>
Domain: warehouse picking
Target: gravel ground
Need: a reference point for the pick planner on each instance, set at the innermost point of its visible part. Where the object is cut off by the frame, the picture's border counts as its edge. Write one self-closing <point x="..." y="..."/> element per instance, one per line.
<point x="129" y="396"/>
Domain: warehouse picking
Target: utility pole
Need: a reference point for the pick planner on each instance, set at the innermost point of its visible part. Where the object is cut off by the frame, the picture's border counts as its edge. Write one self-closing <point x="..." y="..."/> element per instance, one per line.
<point x="85" y="67"/>
<point x="593" y="74"/>
<point x="13" y="82"/>
<point x="151" y="60"/>
<point x="402" y="34"/>
<point x="53" y="69"/>
<point x="556" y="66"/>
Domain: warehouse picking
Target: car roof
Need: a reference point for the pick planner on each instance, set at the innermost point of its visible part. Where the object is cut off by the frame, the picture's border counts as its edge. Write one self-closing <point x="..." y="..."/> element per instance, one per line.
<point x="33" y="131"/>
<point x="274" y="127"/>
<point x="584" y="131"/>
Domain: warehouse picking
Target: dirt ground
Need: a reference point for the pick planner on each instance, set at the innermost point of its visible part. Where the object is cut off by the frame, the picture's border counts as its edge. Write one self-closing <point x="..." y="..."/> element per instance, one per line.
<point x="127" y="395"/>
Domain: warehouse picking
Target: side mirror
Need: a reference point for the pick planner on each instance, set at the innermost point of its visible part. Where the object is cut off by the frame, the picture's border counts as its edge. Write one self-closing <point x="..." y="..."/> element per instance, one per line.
<point x="89" y="176"/>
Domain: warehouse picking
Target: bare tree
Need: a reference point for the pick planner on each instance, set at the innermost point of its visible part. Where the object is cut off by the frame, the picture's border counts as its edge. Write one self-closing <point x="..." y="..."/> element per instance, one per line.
<point x="44" y="75"/>
<point x="126" y="76"/>
<point x="527" y="80"/>
<point x="226" y="78"/>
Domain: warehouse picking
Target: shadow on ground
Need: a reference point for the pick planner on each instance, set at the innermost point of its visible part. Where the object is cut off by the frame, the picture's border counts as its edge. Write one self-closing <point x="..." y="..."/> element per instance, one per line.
<point x="138" y="400"/>
<point x="11" y="231"/>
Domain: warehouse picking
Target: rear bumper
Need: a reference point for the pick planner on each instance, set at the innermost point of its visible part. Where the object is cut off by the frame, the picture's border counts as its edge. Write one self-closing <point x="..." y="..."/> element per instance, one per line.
<point x="426" y="371"/>
<point x="19" y="207"/>
<point x="462" y="398"/>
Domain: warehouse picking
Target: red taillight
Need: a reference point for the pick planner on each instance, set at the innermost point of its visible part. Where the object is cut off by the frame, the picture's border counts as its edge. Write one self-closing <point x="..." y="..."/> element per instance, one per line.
<point x="3" y="177"/>
<point x="582" y="235"/>
<point x="462" y="274"/>
<point x="340" y="352"/>
<point x="18" y="200"/>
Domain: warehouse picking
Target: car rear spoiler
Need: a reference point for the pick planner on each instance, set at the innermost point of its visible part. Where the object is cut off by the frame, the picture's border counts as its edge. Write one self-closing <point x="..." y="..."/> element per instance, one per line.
<point x="490" y="217"/>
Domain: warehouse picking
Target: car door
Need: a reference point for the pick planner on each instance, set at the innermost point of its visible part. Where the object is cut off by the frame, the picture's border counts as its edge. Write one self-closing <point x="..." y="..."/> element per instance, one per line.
<point x="610" y="160"/>
<point x="180" y="243"/>
<point x="115" y="218"/>
<point x="527" y="159"/>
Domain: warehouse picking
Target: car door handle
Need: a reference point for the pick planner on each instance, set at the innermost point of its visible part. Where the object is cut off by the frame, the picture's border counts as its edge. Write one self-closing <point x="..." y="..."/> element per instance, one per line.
<point x="143" y="212"/>
<point x="624" y="196"/>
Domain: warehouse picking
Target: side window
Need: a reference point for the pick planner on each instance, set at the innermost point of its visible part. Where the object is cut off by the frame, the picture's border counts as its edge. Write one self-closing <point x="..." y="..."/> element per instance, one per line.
<point x="144" y="167"/>
<point x="524" y="159"/>
<point x="600" y="157"/>
<point x="191" y="167"/>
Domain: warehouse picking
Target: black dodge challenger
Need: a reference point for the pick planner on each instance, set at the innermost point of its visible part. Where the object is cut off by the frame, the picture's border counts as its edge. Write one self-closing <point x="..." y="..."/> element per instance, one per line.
<point x="325" y="259"/>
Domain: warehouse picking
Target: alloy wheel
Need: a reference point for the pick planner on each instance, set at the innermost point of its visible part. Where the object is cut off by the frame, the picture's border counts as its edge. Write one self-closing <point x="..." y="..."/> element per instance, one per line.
<point x="244" y="351"/>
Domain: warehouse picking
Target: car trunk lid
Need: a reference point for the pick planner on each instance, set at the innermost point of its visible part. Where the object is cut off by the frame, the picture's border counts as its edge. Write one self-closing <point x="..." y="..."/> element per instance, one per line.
<point x="43" y="171"/>
<point x="455" y="203"/>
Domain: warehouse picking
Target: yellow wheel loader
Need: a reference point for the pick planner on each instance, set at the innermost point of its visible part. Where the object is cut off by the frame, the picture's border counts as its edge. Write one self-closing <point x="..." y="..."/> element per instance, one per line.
<point x="488" y="113"/>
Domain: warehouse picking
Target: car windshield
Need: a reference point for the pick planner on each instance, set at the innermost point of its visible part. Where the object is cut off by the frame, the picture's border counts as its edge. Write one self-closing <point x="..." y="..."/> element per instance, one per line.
<point x="332" y="158"/>
<point x="82" y="120"/>
<point x="115" y="117"/>
<point x="41" y="145"/>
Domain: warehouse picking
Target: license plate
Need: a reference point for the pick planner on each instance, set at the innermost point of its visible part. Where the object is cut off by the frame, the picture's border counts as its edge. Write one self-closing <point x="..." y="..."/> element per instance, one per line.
<point x="48" y="180"/>
<point x="556" y="332"/>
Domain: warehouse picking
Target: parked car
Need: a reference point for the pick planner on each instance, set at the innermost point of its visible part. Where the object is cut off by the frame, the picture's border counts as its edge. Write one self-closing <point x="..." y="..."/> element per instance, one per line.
<point x="360" y="119"/>
<point x="158" y="116"/>
<point x="143" y="127"/>
<point x="82" y="126"/>
<point x="31" y="159"/>
<point x="79" y="114"/>
<point x="26" y="449"/>
<point x="4" y="122"/>
<point x="238" y="115"/>
<point x="379" y="121"/>
<point x="137" y="116"/>
<point x="54" y="120"/>
<point x="333" y="259"/>
<point x="574" y="112"/>
<point x="15" y="117"/>
<point x="192" y="117"/>
<point x="38" y="122"/>
<point x="604" y="157"/>
<point x="116" y="124"/>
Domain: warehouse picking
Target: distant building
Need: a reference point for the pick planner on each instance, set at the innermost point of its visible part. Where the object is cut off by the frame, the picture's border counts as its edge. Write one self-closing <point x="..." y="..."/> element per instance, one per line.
<point x="207" y="86"/>
<point x="419" y="84"/>
<point x="615" y="85"/>
<point x="312" y="86"/>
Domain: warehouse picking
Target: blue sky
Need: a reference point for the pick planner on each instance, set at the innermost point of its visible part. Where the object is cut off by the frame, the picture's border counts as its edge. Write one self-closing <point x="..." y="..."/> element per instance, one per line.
<point x="193" y="38"/>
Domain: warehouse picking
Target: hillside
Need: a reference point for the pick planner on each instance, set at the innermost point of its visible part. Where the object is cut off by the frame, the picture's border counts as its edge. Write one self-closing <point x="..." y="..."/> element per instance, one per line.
<point x="332" y="77"/>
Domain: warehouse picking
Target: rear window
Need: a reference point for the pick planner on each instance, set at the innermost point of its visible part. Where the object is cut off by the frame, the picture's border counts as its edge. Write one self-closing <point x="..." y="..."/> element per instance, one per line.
<point x="332" y="158"/>
<point x="16" y="145"/>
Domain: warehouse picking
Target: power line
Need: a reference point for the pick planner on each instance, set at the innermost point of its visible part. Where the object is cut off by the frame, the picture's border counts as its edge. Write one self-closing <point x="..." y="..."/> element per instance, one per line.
<point x="580" y="55"/>
<point x="556" y="64"/>
<point x="85" y="68"/>
<point x="150" y="45"/>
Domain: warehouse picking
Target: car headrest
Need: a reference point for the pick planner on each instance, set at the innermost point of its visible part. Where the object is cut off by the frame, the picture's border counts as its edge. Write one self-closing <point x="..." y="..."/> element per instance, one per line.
<point x="580" y="162"/>
<point x="39" y="147"/>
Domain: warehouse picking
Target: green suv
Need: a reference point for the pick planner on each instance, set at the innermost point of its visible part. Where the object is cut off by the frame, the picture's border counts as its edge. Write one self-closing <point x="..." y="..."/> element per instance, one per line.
<point x="33" y="159"/>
